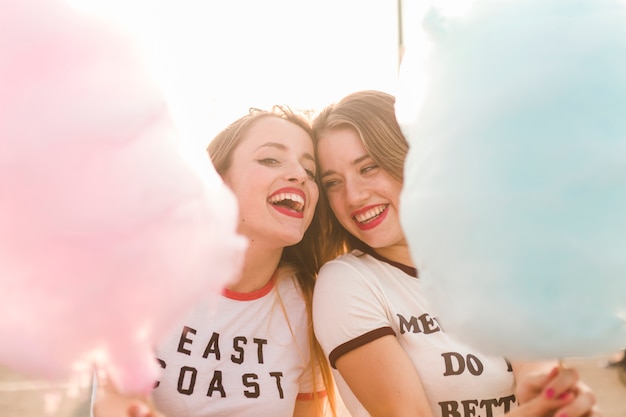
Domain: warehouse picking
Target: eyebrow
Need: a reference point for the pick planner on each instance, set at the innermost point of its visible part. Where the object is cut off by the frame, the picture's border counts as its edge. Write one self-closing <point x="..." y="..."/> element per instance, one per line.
<point x="355" y="162"/>
<point x="283" y="147"/>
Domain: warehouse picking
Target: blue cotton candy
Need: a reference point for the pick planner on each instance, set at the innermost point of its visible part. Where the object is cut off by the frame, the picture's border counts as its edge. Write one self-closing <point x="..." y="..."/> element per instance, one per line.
<point x="514" y="203"/>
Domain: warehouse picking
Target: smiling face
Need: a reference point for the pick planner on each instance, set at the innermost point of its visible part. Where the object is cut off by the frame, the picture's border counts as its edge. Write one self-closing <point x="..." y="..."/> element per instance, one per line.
<point x="273" y="177"/>
<point x="363" y="196"/>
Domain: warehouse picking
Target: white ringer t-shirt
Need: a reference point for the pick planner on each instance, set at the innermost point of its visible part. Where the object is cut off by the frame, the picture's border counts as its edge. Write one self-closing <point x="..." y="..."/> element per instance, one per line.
<point x="238" y="356"/>
<point x="359" y="298"/>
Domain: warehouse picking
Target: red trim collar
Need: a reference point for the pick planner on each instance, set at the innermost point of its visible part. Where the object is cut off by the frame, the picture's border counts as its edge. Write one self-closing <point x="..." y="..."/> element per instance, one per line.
<point x="249" y="296"/>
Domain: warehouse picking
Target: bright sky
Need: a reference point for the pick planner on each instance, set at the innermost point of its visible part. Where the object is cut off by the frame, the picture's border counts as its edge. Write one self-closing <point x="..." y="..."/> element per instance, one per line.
<point x="218" y="58"/>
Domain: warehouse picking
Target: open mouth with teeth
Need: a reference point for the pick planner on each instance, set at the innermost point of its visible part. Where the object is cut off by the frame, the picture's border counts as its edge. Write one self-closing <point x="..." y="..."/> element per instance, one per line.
<point x="371" y="217"/>
<point x="291" y="204"/>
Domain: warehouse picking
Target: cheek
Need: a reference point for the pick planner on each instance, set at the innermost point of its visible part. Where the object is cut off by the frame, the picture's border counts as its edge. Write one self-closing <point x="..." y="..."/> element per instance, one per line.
<point x="396" y="191"/>
<point x="314" y="196"/>
<point x="247" y="194"/>
<point x="334" y="200"/>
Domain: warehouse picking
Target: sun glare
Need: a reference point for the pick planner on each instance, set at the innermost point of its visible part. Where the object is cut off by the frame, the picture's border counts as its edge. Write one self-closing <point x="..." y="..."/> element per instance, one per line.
<point x="217" y="59"/>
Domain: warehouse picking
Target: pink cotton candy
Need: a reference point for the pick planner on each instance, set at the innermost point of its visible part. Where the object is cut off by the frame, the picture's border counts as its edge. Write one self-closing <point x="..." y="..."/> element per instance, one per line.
<point x="108" y="235"/>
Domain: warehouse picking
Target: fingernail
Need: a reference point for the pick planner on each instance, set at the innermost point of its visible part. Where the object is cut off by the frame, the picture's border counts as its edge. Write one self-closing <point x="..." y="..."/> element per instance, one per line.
<point x="549" y="393"/>
<point x="565" y="396"/>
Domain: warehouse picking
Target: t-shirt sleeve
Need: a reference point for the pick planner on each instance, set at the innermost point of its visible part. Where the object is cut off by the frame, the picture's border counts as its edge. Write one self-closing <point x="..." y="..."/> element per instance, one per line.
<point x="349" y="308"/>
<point x="306" y="383"/>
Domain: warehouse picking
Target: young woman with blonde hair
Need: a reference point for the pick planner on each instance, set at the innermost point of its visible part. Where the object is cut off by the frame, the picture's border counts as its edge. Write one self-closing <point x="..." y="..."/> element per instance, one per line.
<point x="252" y="350"/>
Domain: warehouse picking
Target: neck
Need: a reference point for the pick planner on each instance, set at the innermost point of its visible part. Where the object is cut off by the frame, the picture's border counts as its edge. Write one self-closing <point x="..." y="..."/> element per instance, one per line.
<point x="397" y="253"/>
<point x="259" y="266"/>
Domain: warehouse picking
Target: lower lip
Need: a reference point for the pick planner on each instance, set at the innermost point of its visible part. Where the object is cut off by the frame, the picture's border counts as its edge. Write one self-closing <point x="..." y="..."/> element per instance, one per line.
<point x="286" y="211"/>
<point x="378" y="220"/>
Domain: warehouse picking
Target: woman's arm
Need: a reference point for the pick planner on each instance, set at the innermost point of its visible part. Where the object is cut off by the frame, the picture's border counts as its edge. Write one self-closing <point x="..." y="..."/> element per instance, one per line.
<point x="384" y="380"/>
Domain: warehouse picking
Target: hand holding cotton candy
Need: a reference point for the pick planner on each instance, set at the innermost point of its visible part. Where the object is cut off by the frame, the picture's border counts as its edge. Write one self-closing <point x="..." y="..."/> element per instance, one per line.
<point x="514" y="202"/>
<point x="108" y="235"/>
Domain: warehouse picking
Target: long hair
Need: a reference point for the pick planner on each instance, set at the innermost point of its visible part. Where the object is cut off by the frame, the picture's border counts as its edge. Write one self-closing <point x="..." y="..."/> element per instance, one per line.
<point x="305" y="256"/>
<point x="371" y="114"/>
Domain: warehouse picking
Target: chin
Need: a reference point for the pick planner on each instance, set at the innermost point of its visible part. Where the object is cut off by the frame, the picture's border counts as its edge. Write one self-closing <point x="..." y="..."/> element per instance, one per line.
<point x="290" y="239"/>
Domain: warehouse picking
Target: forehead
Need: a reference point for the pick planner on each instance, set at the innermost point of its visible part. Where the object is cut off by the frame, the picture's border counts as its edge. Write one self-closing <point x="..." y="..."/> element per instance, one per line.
<point x="270" y="129"/>
<point x="340" y="145"/>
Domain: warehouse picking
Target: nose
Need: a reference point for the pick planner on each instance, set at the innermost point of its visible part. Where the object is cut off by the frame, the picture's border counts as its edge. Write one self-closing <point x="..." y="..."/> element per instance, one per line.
<point x="297" y="174"/>
<point x="355" y="191"/>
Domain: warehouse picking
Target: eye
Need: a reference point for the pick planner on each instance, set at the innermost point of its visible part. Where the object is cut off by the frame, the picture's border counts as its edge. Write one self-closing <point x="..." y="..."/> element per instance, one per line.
<point x="268" y="161"/>
<point x="310" y="173"/>
<point x="368" y="168"/>
<point x="330" y="183"/>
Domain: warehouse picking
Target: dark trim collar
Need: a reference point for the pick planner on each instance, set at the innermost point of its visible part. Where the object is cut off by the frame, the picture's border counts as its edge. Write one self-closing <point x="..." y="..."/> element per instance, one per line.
<point x="409" y="270"/>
